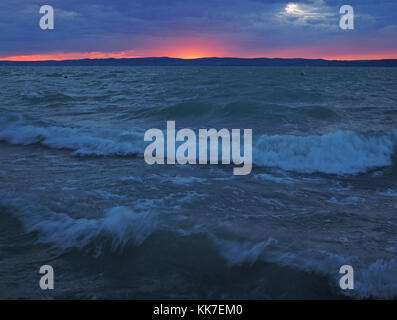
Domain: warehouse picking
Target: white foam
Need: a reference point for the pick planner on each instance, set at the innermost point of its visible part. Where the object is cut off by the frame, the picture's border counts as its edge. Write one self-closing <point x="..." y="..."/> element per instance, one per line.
<point x="82" y="141"/>
<point x="120" y="224"/>
<point x="183" y="180"/>
<point x="342" y="152"/>
<point x="272" y="178"/>
<point x="237" y="253"/>
<point x="372" y="279"/>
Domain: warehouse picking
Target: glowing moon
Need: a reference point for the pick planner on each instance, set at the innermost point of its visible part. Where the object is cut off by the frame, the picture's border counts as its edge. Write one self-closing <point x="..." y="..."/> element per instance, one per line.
<point x="293" y="8"/>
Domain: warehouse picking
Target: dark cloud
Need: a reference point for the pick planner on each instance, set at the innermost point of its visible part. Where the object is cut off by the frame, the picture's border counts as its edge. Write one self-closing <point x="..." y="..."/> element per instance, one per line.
<point x="259" y="25"/>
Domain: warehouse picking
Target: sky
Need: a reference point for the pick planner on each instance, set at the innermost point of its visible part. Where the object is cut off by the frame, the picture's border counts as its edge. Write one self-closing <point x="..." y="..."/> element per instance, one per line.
<point x="198" y="28"/>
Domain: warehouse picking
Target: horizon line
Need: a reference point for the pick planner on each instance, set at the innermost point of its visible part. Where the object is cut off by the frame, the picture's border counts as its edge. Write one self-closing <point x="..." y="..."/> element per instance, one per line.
<point x="198" y="58"/>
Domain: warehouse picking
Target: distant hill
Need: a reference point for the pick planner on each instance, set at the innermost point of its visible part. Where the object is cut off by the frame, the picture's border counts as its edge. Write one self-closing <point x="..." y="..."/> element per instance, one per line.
<point x="207" y="62"/>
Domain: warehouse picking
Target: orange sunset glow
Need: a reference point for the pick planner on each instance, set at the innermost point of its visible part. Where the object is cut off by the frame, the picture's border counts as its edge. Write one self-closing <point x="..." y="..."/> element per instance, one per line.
<point x="59" y="56"/>
<point x="191" y="50"/>
<point x="177" y="48"/>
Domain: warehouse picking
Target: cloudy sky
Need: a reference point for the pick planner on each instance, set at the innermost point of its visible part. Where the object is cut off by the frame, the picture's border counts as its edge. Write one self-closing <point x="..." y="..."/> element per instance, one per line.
<point x="198" y="28"/>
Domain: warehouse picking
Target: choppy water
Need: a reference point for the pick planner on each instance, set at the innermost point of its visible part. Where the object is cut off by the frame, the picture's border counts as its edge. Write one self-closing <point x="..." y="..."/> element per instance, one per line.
<point x="76" y="193"/>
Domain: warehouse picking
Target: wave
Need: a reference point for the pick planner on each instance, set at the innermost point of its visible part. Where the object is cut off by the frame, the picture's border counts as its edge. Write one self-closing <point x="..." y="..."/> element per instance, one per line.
<point x="138" y="226"/>
<point x="376" y="279"/>
<point x="83" y="142"/>
<point x="122" y="225"/>
<point x="341" y="152"/>
<point x="236" y="110"/>
<point x="35" y="96"/>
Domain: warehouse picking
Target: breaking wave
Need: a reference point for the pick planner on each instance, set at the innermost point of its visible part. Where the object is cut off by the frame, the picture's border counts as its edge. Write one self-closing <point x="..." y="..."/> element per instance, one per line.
<point x="125" y="226"/>
<point x="121" y="224"/>
<point x="84" y="142"/>
<point x="341" y="152"/>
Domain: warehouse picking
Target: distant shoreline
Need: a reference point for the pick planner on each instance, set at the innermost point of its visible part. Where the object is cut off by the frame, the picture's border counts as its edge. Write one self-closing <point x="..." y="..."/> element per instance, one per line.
<point x="227" y="62"/>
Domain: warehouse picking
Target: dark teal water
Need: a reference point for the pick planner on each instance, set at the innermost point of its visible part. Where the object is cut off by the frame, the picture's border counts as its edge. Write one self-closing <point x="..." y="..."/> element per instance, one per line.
<point x="76" y="193"/>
